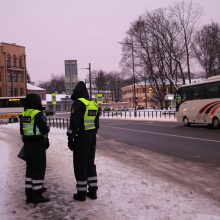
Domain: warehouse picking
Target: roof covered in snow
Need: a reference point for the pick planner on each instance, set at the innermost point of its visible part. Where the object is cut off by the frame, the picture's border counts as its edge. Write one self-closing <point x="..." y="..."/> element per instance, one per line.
<point x="33" y="87"/>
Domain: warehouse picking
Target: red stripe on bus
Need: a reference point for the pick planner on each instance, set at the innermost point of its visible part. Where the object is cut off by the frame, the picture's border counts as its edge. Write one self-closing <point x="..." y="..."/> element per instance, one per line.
<point x="214" y="110"/>
<point x="203" y="108"/>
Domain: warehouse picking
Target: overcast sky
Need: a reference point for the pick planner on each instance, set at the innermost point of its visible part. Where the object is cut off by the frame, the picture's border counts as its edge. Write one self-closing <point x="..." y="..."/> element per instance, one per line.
<point x="86" y="30"/>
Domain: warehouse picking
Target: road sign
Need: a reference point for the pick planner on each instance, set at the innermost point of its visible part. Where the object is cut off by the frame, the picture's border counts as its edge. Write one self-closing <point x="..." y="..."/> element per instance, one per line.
<point x="99" y="98"/>
<point x="53" y="97"/>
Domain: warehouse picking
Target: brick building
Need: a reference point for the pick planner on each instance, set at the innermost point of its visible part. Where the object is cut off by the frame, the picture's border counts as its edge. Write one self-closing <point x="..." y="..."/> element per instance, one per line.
<point x="13" y="71"/>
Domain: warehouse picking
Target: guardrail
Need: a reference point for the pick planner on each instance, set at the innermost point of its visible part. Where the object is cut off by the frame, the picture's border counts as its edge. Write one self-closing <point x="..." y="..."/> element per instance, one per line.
<point x="58" y="122"/>
<point x="163" y="114"/>
<point x="151" y="114"/>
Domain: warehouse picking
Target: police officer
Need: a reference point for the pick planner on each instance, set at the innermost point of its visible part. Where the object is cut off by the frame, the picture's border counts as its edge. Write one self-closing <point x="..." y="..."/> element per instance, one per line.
<point x="84" y="123"/>
<point x="34" y="131"/>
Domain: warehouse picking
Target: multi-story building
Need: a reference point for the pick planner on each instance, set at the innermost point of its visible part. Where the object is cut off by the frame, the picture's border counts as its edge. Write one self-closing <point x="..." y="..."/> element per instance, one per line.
<point x="142" y="98"/>
<point x="13" y="72"/>
<point x="71" y="75"/>
<point x="146" y="97"/>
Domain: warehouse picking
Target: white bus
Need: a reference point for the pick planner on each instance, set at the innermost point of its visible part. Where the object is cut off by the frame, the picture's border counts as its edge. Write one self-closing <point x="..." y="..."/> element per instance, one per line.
<point x="199" y="103"/>
<point x="11" y="108"/>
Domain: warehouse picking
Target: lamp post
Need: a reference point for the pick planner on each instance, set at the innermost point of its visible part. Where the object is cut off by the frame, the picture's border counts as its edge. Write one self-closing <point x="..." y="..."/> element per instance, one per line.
<point x="90" y="80"/>
<point x="134" y="89"/>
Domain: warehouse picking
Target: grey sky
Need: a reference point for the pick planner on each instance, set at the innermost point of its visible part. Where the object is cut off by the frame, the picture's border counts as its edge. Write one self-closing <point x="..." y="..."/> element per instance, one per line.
<point x="86" y="30"/>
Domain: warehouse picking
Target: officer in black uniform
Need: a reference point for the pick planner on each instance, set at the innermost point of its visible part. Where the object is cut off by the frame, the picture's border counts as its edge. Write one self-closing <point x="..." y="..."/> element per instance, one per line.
<point x="34" y="132"/>
<point x="84" y="123"/>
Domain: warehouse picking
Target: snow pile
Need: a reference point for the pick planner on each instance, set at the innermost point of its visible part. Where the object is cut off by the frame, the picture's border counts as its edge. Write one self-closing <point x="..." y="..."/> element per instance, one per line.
<point x="126" y="191"/>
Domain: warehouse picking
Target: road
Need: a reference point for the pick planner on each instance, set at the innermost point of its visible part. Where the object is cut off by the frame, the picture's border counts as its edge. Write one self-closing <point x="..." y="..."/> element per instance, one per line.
<point x="197" y="143"/>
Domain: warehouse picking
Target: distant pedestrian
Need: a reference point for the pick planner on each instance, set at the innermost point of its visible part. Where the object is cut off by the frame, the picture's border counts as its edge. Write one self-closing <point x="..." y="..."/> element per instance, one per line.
<point x="34" y="132"/>
<point x="84" y="123"/>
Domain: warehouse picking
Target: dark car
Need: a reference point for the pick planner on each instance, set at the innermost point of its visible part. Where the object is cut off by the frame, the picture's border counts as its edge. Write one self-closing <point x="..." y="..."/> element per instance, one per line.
<point x="139" y="107"/>
<point x="49" y="112"/>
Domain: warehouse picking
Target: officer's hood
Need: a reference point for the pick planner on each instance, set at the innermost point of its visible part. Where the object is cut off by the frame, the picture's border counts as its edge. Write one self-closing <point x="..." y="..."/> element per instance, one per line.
<point x="80" y="91"/>
<point x="33" y="101"/>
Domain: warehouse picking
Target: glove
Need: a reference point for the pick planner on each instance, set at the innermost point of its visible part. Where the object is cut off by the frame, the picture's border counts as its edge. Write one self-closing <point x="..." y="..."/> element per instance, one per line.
<point x="71" y="143"/>
<point x="47" y="143"/>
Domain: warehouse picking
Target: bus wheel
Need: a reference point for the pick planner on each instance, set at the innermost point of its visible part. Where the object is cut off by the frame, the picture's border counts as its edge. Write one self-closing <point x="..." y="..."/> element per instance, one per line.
<point x="186" y="122"/>
<point x="215" y="123"/>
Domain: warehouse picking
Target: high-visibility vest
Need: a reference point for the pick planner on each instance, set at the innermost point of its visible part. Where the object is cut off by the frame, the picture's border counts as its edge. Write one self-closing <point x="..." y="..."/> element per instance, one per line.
<point x="90" y="114"/>
<point x="28" y="121"/>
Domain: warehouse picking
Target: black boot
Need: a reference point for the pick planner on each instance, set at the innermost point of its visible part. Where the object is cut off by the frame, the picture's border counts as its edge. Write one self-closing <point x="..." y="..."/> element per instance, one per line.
<point x="80" y="196"/>
<point x="92" y="193"/>
<point x="29" y="199"/>
<point x="44" y="189"/>
<point x="40" y="199"/>
<point x="29" y="195"/>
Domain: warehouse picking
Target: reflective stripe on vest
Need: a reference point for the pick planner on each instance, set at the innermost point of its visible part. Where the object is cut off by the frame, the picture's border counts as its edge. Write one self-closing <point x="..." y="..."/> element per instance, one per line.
<point x="90" y="114"/>
<point x="28" y="126"/>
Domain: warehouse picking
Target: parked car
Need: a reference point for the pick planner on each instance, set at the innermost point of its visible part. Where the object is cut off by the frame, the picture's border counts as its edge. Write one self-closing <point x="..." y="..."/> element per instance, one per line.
<point x="49" y="112"/>
<point x="139" y="107"/>
<point x="107" y="108"/>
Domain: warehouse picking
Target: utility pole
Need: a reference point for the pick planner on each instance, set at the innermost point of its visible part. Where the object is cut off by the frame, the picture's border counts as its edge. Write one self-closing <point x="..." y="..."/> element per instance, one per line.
<point x="90" y="79"/>
<point x="133" y="71"/>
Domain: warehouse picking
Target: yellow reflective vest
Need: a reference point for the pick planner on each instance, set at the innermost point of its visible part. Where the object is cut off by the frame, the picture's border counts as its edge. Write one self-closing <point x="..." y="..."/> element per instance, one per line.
<point x="90" y="114"/>
<point x="28" y="119"/>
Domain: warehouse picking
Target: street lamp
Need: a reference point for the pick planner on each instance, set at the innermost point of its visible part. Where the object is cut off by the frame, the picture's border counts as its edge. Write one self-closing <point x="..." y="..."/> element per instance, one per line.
<point x="90" y="80"/>
<point x="134" y="89"/>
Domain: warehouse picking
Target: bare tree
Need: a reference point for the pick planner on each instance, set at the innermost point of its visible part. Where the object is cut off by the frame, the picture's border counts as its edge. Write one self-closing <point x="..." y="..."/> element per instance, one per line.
<point x="55" y="84"/>
<point x="162" y="42"/>
<point x="187" y="17"/>
<point x="207" y="48"/>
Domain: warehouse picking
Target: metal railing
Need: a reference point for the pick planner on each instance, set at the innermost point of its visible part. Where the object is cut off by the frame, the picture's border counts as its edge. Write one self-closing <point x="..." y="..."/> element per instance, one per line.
<point x="163" y="114"/>
<point x="63" y="123"/>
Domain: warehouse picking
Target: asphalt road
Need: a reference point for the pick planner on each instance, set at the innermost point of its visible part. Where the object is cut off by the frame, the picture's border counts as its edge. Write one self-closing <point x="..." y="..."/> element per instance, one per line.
<point x="197" y="143"/>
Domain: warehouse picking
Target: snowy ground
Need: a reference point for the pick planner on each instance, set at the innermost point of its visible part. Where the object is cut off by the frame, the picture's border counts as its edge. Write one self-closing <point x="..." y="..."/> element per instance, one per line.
<point x="132" y="184"/>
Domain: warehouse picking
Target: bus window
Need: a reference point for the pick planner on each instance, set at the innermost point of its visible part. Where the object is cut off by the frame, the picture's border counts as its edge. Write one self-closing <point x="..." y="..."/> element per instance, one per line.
<point x="212" y="90"/>
<point x="199" y="92"/>
<point x="187" y="93"/>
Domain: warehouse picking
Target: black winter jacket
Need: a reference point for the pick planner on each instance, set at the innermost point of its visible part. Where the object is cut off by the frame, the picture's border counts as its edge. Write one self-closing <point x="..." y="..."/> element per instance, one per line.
<point x="78" y="110"/>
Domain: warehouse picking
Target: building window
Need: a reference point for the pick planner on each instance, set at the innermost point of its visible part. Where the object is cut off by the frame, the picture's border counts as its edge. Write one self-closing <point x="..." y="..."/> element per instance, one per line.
<point x="14" y="61"/>
<point x="15" y="78"/>
<point x="0" y="92"/>
<point x="15" y="91"/>
<point x="20" y="62"/>
<point x="0" y="76"/>
<point x="9" y="92"/>
<point x="8" y="61"/>
<point x="21" y="91"/>
<point x="20" y="77"/>
<point x="9" y="77"/>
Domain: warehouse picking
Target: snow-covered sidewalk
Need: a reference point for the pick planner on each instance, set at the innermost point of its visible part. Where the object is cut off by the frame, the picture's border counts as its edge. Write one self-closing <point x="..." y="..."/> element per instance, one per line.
<point x="130" y="184"/>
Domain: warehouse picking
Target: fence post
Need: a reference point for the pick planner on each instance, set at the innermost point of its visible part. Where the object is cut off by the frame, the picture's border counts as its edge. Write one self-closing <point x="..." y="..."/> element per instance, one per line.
<point x="53" y="123"/>
<point x="156" y="114"/>
<point x="67" y="123"/>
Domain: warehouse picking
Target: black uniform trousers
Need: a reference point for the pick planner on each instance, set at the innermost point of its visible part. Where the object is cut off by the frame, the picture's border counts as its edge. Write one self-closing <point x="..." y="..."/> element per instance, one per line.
<point x="84" y="161"/>
<point x="35" y="154"/>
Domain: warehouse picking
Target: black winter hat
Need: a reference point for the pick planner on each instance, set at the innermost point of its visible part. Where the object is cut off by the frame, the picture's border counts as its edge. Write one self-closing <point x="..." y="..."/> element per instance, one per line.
<point x="33" y="101"/>
<point x="80" y="91"/>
